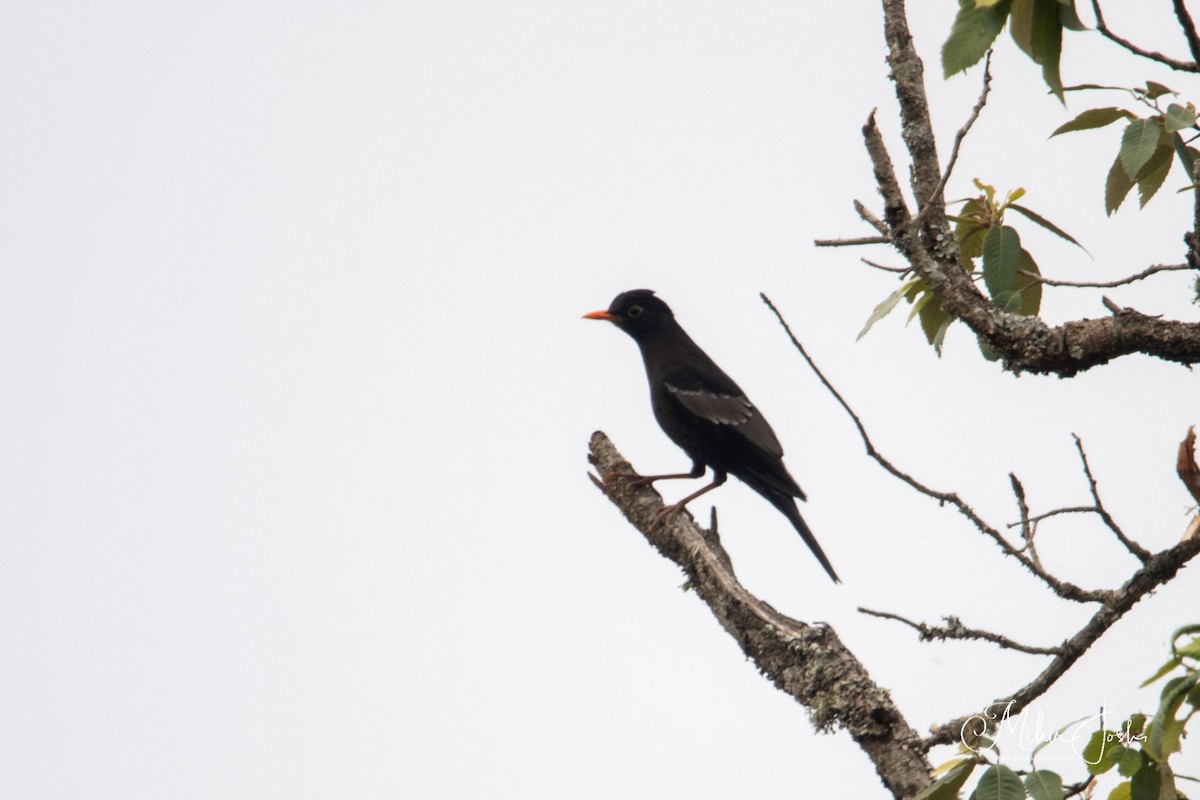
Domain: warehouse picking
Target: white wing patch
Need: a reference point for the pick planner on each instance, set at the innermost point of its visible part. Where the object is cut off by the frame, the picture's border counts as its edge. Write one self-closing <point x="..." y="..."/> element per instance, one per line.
<point x="720" y="409"/>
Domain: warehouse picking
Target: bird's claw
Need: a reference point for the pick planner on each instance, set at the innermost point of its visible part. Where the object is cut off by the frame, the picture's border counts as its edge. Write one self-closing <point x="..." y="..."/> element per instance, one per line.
<point x="666" y="512"/>
<point x="635" y="481"/>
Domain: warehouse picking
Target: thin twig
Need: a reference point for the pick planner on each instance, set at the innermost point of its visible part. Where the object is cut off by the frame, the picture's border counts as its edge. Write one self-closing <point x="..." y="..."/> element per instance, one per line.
<point x="1146" y="273"/>
<point x="1028" y="526"/>
<point x="884" y="267"/>
<point x="1064" y="589"/>
<point x="1034" y="520"/>
<point x="1138" y="551"/>
<point x="954" y="629"/>
<point x="895" y="210"/>
<point x="872" y="220"/>
<point x="1161" y="568"/>
<point x="851" y="242"/>
<point x="960" y="136"/>
<point x="1182" y="66"/>
<point x="1189" y="29"/>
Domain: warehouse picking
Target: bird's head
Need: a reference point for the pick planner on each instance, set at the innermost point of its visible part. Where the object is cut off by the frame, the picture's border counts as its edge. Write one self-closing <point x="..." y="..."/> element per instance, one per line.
<point x="637" y="312"/>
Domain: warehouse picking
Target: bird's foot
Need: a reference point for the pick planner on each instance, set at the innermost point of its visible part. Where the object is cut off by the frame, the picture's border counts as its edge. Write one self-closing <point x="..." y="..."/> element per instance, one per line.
<point x="635" y="481"/>
<point x="666" y="512"/>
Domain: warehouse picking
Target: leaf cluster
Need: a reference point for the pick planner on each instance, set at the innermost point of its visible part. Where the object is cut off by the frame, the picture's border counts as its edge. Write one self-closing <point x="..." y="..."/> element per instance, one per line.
<point x="1036" y="26"/>
<point x="1149" y="144"/>
<point x="989" y="247"/>
<point x="1139" y="750"/>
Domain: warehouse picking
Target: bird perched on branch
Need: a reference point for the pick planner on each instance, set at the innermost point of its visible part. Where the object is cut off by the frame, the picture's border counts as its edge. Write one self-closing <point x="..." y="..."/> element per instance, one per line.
<point x="704" y="412"/>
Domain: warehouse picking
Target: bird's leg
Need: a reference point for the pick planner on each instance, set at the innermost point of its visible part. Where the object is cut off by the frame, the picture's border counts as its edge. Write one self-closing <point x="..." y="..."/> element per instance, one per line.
<point x="646" y="480"/>
<point x="718" y="479"/>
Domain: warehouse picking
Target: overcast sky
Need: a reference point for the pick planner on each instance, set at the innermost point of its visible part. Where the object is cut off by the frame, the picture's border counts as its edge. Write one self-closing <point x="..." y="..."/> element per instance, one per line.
<point x="293" y="495"/>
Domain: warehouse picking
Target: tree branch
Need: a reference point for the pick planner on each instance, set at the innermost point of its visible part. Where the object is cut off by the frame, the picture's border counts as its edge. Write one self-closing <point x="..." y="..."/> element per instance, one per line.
<point x="1189" y="29"/>
<point x="962" y="133"/>
<point x="1064" y="589"/>
<point x="1024" y="344"/>
<point x="1133" y="547"/>
<point x="807" y="662"/>
<point x="1146" y="273"/>
<point x="954" y="629"/>
<point x="1158" y="570"/>
<point x="851" y="242"/>
<point x="1182" y="66"/>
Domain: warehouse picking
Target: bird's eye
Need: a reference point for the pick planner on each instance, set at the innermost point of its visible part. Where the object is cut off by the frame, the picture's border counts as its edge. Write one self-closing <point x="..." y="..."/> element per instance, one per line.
<point x="634" y="311"/>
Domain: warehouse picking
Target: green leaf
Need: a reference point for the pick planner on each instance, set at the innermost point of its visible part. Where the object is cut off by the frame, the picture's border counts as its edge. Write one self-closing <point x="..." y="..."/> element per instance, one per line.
<point x="969" y="233"/>
<point x="999" y="783"/>
<point x="1163" y="670"/>
<point x="1028" y="287"/>
<point x="1069" y="17"/>
<point x="1020" y="25"/>
<point x="1187" y="155"/>
<point x="1186" y="630"/>
<point x="1044" y="785"/>
<point x="1121" y="792"/>
<point x="1131" y="762"/>
<point x="1037" y="29"/>
<point x="934" y="320"/>
<point x="987" y="189"/>
<point x="919" y="305"/>
<point x="1151" y="178"/>
<point x="1179" y="117"/>
<point x="1157" y="90"/>
<point x="1136" y="724"/>
<point x="947" y="786"/>
<point x="973" y="31"/>
<point x="1094" y="118"/>
<point x="1117" y="186"/>
<point x="1047" y="224"/>
<point x="1001" y="258"/>
<point x="1164" y="730"/>
<point x="1146" y="783"/>
<point x="1103" y="751"/>
<point x="1138" y="144"/>
<point x="885" y="307"/>
<point x="1190" y="650"/>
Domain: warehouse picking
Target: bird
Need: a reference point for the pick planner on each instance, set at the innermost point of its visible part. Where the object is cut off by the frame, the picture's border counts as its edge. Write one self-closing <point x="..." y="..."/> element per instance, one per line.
<point x="705" y="413"/>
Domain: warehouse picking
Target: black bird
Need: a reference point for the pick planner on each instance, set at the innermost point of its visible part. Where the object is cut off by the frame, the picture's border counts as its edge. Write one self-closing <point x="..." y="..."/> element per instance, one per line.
<point x="704" y="412"/>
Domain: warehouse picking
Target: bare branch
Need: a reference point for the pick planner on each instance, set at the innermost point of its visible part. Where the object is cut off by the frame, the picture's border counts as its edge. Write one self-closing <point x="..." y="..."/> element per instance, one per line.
<point x="1146" y="273"/>
<point x="1064" y="589"/>
<point x="1034" y="520"/>
<point x="851" y="242"/>
<point x="1182" y="66"/>
<point x="958" y="137"/>
<point x="885" y="268"/>
<point x="895" y="210"/>
<point x="1189" y="29"/>
<point x="1157" y="571"/>
<point x="954" y="629"/>
<point x="808" y="662"/>
<point x="871" y="219"/>
<point x="1133" y="547"/>
<point x="908" y="76"/>
<point x="1028" y="526"/>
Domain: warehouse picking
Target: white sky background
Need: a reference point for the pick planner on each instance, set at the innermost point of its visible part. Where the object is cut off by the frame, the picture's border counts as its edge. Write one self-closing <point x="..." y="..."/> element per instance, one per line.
<point x="292" y="492"/>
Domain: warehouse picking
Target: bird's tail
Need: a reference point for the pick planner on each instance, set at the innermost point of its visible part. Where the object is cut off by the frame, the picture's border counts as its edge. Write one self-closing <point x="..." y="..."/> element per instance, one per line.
<point x="787" y="505"/>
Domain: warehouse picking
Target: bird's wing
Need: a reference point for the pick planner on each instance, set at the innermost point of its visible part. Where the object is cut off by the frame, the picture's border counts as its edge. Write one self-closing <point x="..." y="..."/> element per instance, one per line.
<point x="734" y="410"/>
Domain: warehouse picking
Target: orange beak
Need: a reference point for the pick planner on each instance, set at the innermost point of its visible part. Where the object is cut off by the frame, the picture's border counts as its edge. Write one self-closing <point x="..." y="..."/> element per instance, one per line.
<point x="602" y="315"/>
